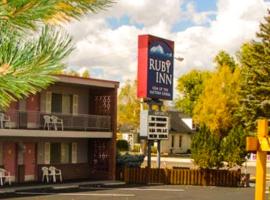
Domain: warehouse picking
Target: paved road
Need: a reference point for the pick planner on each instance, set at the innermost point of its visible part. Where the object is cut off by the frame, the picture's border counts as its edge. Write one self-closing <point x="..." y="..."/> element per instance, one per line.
<point x="140" y="193"/>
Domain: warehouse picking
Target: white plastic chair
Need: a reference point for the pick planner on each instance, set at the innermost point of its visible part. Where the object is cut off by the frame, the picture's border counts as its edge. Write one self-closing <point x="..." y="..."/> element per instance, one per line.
<point x="56" y="121"/>
<point x="4" y="119"/>
<point x="47" y="121"/>
<point x="4" y="177"/>
<point x="45" y="174"/>
<point x="55" y="172"/>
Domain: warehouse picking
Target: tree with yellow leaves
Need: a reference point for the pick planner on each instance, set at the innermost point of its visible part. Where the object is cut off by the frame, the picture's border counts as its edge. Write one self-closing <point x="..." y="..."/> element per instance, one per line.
<point x="128" y="107"/>
<point x="190" y="87"/>
<point x="219" y="100"/>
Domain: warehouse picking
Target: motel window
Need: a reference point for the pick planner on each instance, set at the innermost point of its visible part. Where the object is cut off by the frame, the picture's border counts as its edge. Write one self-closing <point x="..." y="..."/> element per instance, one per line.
<point x="66" y="152"/>
<point x="61" y="103"/>
<point x="55" y="153"/>
<point x="61" y="153"/>
<point x="56" y="103"/>
<point x="67" y="104"/>
<point x="180" y="141"/>
<point x="172" y="142"/>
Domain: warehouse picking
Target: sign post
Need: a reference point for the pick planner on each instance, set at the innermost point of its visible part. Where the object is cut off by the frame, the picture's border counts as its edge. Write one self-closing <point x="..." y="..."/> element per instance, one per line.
<point x="155" y="83"/>
<point x="261" y="144"/>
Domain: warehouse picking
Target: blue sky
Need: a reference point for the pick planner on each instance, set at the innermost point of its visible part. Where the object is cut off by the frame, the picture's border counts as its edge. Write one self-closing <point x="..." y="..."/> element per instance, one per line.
<point x="116" y="22"/>
<point x="181" y="24"/>
<point x="106" y="43"/>
<point x="205" y="5"/>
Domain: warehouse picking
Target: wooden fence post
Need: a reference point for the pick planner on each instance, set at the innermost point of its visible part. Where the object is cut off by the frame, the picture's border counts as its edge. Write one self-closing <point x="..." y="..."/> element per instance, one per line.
<point x="126" y="175"/>
<point x="181" y="176"/>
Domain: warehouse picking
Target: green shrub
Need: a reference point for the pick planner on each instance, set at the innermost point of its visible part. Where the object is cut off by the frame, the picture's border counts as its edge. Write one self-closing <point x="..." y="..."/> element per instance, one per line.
<point x="205" y="149"/>
<point x="233" y="147"/>
<point x="128" y="160"/>
<point x="122" y="145"/>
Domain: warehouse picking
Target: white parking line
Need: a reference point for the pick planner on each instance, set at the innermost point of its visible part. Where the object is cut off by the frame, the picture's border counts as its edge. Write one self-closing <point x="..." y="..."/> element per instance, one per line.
<point x="96" y="194"/>
<point x="76" y="194"/>
<point x="137" y="189"/>
<point x="153" y="189"/>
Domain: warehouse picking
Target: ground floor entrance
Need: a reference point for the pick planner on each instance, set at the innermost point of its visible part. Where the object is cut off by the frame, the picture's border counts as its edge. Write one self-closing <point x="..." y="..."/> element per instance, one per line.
<point x="26" y="161"/>
<point x="24" y="158"/>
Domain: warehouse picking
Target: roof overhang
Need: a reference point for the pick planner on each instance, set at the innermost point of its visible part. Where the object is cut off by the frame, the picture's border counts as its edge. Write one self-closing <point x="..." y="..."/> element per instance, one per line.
<point x="87" y="81"/>
<point x="53" y="134"/>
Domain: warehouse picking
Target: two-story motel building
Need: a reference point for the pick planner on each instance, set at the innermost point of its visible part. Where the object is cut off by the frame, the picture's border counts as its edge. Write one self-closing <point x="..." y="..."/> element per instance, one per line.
<point x="86" y="108"/>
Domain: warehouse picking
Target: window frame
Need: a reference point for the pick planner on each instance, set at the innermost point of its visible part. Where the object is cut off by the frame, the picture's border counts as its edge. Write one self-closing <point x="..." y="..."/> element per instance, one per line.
<point x="172" y="141"/>
<point x="56" y="107"/>
<point x="180" y="140"/>
<point x="58" y="159"/>
<point x="55" y="157"/>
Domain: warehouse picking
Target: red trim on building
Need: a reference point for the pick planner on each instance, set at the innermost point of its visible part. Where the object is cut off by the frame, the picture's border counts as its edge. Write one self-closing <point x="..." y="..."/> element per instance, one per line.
<point x="9" y="157"/>
<point x="30" y="159"/>
<point x="33" y="106"/>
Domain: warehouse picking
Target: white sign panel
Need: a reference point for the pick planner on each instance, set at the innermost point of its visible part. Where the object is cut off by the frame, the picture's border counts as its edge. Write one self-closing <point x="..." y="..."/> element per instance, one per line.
<point x="144" y="123"/>
<point x="154" y="125"/>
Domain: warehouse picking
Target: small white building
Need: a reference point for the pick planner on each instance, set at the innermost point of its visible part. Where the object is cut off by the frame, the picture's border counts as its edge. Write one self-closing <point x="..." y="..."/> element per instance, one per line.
<point x="180" y="134"/>
<point x="131" y="138"/>
<point x="128" y="133"/>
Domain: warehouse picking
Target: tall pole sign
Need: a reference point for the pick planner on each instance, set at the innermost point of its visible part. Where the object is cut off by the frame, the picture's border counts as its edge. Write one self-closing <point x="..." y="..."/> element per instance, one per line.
<point x="155" y="83"/>
<point x="155" y="68"/>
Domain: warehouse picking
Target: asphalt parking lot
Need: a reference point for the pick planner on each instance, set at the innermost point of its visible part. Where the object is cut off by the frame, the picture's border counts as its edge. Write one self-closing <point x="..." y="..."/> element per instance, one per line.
<point x="159" y="192"/>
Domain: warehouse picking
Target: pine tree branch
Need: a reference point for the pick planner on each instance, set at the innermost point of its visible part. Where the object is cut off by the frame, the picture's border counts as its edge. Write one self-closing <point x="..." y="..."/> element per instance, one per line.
<point x="31" y="63"/>
<point x="27" y="14"/>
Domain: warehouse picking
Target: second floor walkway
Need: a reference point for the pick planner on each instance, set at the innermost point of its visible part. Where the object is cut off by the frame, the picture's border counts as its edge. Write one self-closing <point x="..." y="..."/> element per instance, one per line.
<point x="15" y="119"/>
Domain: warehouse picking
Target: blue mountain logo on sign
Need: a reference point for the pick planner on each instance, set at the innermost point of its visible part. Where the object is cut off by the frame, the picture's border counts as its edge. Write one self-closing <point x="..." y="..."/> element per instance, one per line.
<point x="160" y="70"/>
<point x="159" y="51"/>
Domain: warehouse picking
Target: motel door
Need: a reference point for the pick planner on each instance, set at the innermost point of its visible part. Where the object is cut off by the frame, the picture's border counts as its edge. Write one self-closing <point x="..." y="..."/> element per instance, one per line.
<point x="26" y="162"/>
<point x="20" y="162"/>
<point x="99" y="157"/>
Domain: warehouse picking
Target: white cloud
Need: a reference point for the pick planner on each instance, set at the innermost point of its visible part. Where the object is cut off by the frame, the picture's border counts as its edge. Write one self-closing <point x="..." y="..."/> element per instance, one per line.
<point x="114" y="51"/>
<point x="148" y="12"/>
<point x="198" y="18"/>
<point x="236" y="22"/>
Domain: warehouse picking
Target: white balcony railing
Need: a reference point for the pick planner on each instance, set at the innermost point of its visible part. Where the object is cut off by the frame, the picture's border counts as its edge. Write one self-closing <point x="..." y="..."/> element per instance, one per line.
<point x="36" y="120"/>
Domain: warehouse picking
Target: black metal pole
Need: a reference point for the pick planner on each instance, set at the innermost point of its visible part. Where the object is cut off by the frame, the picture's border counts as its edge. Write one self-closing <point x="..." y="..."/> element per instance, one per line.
<point x="158" y="142"/>
<point x="149" y="142"/>
<point x="158" y="154"/>
<point x="149" y="154"/>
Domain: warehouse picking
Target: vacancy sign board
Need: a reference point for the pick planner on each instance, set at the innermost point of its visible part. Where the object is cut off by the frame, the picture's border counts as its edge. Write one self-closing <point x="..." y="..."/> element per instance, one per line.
<point x="155" y="68"/>
<point x="154" y="125"/>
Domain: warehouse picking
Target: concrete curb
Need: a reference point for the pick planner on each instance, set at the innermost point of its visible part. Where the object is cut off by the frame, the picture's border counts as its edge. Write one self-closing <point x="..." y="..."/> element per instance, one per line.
<point x="61" y="186"/>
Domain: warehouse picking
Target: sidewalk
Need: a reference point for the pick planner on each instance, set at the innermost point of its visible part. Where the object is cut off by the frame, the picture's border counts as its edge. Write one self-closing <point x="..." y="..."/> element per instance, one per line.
<point x="71" y="185"/>
<point x="171" y="159"/>
<point x="250" y="163"/>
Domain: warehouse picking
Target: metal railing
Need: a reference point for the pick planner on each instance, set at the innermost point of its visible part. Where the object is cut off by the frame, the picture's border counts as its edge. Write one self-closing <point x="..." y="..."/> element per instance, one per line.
<point x="36" y="120"/>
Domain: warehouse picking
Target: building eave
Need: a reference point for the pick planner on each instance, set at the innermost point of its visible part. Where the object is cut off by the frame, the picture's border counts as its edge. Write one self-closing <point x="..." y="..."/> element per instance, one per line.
<point x="53" y="134"/>
<point x="86" y="81"/>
